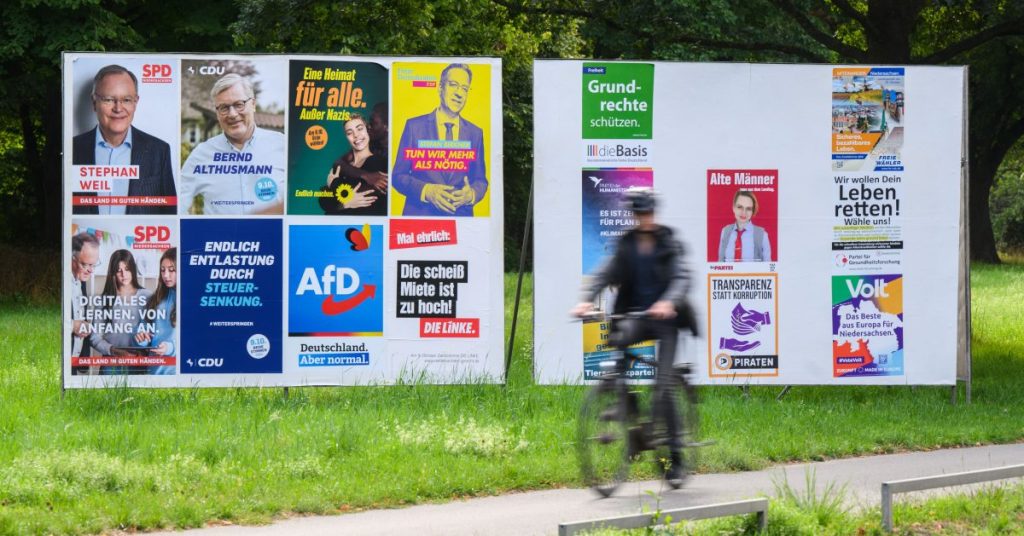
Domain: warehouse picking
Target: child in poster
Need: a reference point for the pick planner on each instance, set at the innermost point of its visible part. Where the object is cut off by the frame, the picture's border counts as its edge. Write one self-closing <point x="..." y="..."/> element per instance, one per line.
<point x="116" y="265"/>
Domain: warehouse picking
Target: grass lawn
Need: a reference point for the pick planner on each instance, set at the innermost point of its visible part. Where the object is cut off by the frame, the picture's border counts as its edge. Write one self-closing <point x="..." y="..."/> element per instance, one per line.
<point x="125" y="459"/>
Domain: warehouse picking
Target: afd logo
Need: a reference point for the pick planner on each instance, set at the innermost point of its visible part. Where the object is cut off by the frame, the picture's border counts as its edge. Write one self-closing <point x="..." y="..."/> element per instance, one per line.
<point x="619" y="150"/>
<point x="335" y="281"/>
<point x="335" y="278"/>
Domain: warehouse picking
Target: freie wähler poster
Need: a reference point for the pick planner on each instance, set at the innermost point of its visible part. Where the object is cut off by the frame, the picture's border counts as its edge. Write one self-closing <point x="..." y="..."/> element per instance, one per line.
<point x="867" y="325"/>
<point x="867" y="118"/>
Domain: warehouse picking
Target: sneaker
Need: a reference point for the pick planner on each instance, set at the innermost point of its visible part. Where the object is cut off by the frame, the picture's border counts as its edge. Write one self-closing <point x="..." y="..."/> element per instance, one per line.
<point x="675" y="476"/>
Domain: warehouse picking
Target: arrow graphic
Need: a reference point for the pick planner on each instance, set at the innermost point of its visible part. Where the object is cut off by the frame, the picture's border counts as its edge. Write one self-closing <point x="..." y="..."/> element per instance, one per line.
<point x="331" y="307"/>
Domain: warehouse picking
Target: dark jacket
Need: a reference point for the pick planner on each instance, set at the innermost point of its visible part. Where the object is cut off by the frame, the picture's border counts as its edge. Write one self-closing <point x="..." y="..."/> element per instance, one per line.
<point x="670" y="273"/>
<point x="151" y="154"/>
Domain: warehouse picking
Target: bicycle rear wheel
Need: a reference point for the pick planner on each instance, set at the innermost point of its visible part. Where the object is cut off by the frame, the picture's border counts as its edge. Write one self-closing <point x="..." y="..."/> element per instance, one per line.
<point x="603" y="437"/>
<point x="683" y="397"/>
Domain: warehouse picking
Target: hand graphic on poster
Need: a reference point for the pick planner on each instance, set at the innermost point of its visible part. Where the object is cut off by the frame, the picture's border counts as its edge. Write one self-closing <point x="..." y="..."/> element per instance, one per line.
<point x="737" y="345"/>
<point x="745" y="322"/>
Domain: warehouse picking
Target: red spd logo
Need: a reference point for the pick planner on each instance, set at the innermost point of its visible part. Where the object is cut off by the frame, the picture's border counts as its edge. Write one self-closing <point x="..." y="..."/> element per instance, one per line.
<point x="152" y="237"/>
<point x="156" y="73"/>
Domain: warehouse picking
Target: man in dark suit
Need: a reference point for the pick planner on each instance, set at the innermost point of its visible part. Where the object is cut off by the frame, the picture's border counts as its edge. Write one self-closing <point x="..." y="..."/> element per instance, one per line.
<point x="115" y="142"/>
<point x="443" y="192"/>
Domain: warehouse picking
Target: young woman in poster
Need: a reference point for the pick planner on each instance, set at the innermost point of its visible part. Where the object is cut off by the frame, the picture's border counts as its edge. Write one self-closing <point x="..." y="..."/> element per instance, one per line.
<point x="121" y="305"/>
<point x="165" y="302"/>
<point x="743" y="241"/>
<point x="353" y="195"/>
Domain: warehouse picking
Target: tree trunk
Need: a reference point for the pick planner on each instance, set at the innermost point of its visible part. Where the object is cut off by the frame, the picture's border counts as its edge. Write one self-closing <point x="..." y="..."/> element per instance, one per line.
<point x="983" y="240"/>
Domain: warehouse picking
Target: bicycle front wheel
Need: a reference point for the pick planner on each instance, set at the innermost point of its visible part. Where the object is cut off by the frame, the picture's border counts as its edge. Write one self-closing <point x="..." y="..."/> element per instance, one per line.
<point x="603" y="437"/>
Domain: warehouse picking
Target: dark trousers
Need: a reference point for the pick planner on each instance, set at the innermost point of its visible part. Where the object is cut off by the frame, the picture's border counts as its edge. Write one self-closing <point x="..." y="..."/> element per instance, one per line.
<point x="666" y="333"/>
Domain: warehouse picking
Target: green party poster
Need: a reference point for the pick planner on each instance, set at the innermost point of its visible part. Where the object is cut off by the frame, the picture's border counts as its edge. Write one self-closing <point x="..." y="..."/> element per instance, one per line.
<point x="338" y="132"/>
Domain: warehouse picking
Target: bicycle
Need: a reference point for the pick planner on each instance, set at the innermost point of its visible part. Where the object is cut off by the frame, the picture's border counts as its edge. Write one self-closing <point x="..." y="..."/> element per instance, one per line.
<point x="617" y="421"/>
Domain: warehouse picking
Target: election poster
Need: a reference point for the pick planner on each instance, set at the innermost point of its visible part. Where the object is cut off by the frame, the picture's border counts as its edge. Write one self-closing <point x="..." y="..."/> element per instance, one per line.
<point x="124" y="152"/>
<point x="336" y="300"/>
<point x="301" y="261"/>
<point x="599" y="355"/>
<point x="742" y="221"/>
<point x="867" y="325"/>
<point x="232" y="136"/>
<point x="867" y="215"/>
<point x="338" y="139"/>
<point x="123" y="297"/>
<point x="867" y="118"/>
<point x="442" y="138"/>
<point x="441" y="294"/>
<point x="604" y="217"/>
<point x="618" y="101"/>
<point x="743" y="325"/>
<point x="231" y="305"/>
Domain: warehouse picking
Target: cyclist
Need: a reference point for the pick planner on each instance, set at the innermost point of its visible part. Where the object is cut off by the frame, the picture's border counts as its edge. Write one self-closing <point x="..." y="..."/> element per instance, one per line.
<point x="648" y="269"/>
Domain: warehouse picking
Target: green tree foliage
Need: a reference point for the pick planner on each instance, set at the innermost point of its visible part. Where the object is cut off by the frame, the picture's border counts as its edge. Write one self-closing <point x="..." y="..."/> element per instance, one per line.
<point x="33" y="33"/>
<point x="987" y="35"/>
<point x="1007" y="203"/>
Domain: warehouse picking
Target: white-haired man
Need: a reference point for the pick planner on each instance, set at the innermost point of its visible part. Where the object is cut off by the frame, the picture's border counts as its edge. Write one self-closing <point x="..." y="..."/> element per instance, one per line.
<point x="241" y="170"/>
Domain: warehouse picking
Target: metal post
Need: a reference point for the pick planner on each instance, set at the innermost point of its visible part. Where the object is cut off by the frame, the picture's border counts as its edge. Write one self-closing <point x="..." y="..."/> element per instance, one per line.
<point x="783" y="393"/>
<point x="519" y="283"/>
<point x="886" y="507"/>
<point x="286" y="393"/>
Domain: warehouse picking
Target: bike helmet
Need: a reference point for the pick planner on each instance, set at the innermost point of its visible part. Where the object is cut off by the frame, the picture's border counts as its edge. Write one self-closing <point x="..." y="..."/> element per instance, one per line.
<point x="640" y="200"/>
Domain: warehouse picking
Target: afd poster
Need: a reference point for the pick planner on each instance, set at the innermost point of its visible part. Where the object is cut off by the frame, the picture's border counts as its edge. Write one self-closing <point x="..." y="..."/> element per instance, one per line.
<point x="231" y="296"/>
<point x="440" y="164"/>
<point x="338" y="142"/>
<point x="867" y="325"/>
<point x="123" y="297"/>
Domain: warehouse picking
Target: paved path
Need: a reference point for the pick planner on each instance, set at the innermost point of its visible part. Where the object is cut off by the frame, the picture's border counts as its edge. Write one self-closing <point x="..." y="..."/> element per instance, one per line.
<point x="540" y="512"/>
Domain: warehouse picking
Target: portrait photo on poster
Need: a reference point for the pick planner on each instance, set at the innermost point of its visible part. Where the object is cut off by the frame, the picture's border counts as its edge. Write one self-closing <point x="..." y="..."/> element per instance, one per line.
<point x="232" y="136"/>
<point x="441" y="166"/>
<point x="742" y="222"/>
<point x="124" y="144"/>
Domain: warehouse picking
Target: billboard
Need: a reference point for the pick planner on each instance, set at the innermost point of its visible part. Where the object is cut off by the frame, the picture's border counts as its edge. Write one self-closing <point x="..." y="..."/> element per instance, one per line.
<point x="260" y="220"/>
<point x="779" y="214"/>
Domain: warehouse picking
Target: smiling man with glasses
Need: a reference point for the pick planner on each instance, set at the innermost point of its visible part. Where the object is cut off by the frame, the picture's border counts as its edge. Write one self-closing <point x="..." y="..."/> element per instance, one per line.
<point x="241" y="170"/>
<point x="115" y="142"/>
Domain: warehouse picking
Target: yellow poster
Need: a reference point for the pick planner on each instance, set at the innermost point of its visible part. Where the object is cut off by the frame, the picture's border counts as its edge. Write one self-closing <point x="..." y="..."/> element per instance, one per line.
<point x="440" y="153"/>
